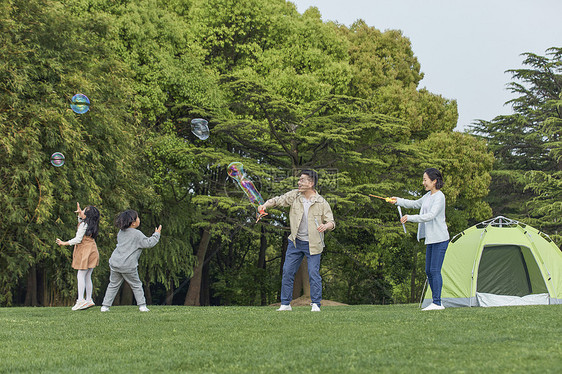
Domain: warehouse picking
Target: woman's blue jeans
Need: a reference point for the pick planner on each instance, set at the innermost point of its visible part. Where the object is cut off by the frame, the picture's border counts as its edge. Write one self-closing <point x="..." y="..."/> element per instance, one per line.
<point x="293" y="258"/>
<point x="434" y="255"/>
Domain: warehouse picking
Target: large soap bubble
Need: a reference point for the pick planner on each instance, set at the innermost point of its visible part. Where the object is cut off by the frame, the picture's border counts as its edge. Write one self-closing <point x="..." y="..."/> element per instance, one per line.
<point x="236" y="171"/>
<point x="80" y="103"/>
<point x="199" y="128"/>
<point x="57" y="159"/>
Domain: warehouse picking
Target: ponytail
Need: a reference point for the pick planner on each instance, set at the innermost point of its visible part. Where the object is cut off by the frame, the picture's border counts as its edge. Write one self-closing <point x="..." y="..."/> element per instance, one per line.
<point x="125" y="219"/>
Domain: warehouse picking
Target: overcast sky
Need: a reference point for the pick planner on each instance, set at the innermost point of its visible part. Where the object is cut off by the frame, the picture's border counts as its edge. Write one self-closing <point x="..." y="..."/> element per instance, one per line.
<point x="464" y="47"/>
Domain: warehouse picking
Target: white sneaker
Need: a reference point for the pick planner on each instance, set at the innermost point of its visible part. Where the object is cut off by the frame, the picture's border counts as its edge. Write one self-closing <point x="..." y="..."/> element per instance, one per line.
<point x="143" y="308"/>
<point x="434" y="307"/>
<point x="283" y="308"/>
<point x="315" y="307"/>
<point x="87" y="304"/>
<point x="105" y="309"/>
<point x="79" y="304"/>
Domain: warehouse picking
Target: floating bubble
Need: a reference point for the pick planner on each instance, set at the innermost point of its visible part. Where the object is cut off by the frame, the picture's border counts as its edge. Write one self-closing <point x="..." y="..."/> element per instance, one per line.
<point x="248" y="186"/>
<point x="57" y="159"/>
<point x="236" y="171"/>
<point x="80" y="103"/>
<point x="199" y="128"/>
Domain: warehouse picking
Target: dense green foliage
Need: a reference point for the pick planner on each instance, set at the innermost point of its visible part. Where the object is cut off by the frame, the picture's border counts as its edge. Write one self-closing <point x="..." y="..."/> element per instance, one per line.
<point x="350" y="339"/>
<point x="527" y="180"/>
<point x="282" y="91"/>
<point x="48" y="57"/>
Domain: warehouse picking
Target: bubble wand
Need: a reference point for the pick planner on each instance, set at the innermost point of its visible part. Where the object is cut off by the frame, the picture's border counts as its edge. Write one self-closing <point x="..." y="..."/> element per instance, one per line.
<point x="391" y="200"/>
<point x="236" y="172"/>
<point x="387" y="199"/>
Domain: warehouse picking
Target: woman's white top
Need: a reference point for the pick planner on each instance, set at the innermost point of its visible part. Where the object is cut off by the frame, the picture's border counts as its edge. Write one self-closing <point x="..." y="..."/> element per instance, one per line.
<point x="432" y="225"/>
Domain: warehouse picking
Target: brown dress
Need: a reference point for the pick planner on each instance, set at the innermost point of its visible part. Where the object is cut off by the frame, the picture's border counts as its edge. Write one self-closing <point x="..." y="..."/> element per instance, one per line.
<point x="86" y="255"/>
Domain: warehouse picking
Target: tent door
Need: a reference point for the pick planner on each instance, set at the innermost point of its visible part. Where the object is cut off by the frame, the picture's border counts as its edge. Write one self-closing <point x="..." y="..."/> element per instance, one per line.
<point x="509" y="270"/>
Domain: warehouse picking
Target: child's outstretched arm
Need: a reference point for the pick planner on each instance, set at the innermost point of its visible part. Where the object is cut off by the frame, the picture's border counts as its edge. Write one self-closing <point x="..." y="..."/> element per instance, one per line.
<point x="145" y="242"/>
<point x="77" y="239"/>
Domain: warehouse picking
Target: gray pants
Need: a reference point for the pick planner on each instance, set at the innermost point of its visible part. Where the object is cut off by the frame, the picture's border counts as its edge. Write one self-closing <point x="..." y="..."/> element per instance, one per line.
<point x="116" y="279"/>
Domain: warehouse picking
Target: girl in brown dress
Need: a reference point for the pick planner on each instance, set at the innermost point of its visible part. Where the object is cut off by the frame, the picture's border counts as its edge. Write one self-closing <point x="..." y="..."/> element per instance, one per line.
<point x="85" y="257"/>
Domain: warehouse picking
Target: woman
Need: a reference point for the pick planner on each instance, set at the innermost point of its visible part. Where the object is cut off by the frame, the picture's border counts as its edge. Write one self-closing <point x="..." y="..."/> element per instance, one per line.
<point x="433" y="228"/>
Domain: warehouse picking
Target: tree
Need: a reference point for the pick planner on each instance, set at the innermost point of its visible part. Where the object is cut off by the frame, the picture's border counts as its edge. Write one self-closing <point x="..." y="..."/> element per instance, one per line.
<point x="270" y="42"/>
<point x="170" y="86"/>
<point x="386" y="72"/>
<point x="281" y="91"/>
<point x="526" y="145"/>
<point x="45" y="64"/>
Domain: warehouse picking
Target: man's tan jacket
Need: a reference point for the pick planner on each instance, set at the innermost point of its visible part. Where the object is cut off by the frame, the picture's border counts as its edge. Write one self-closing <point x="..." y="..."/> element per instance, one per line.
<point x="318" y="213"/>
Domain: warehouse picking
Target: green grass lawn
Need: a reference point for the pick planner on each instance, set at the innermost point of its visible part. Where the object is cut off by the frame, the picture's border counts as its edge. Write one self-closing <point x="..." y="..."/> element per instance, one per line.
<point x="363" y="339"/>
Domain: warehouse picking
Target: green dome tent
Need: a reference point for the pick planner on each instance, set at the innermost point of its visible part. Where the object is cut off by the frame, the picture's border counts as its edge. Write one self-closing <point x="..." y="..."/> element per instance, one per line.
<point x="500" y="262"/>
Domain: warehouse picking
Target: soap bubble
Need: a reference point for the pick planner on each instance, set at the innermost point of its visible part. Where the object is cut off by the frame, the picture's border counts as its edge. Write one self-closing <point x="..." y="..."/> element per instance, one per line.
<point x="80" y="103"/>
<point x="57" y="159"/>
<point x="199" y="128"/>
<point x="235" y="170"/>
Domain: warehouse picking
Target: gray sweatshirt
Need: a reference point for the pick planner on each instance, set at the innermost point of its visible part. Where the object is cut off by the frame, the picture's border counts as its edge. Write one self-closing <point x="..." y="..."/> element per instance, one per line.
<point x="130" y="243"/>
<point x="431" y="219"/>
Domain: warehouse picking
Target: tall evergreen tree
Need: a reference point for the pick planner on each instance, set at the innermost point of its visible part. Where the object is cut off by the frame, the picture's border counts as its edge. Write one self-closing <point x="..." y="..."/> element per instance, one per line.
<point x="526" y="145"/>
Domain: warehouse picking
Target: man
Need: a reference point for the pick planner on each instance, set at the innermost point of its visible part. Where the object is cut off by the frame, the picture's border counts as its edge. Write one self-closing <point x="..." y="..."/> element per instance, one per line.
<point x="310" y="215"/>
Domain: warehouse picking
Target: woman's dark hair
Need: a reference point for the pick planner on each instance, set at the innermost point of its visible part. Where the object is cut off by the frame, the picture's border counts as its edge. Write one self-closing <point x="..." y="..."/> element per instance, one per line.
<point x="92" y="220"/>
<point x="434" y="174"/>
<point x="125" y="219"/>
<point x="312" y="175"/>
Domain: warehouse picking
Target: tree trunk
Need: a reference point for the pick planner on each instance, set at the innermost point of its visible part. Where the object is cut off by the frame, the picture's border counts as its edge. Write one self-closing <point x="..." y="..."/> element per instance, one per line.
<point x="194" y="290"/>
<point x="31" y="292"/>
<point x="170" y="295"/>
<point x="205" y="295"/>
<point x="413" y="278"/>
<point x="147" y="293"/>
<point x="261" y="265"/>
<point x="44" y="288"/>
<point x="126" y="294"/>
<point x="284" y="244"/>
<point x="302" y="283"/>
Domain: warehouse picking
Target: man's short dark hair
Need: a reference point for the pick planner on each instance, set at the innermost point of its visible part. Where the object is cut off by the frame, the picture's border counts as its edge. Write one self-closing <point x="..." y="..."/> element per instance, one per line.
<point x="312" y="175"/>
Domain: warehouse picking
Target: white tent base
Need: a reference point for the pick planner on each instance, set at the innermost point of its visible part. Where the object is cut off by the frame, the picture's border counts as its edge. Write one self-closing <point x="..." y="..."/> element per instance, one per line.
<point x="488" y="299"/>
<point x="453" y="302"/>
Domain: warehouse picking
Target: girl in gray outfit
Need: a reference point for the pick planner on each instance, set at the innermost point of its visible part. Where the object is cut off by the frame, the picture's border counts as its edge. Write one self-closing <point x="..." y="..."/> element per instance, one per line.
<point x="124" y="260"/>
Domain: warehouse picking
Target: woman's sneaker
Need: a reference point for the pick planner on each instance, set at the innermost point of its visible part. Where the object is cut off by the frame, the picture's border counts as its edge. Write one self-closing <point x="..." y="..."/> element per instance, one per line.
<point x="315" y="307"/>
<point x="433" y="307"/>
<point x="284" y="308"/>
<point x="104" y="309"/>
<point x="143" y="308"/>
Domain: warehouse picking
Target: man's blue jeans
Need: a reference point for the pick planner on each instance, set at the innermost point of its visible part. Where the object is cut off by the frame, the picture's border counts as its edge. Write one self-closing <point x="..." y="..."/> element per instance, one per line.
<point x="434" y="255"/>
<point x="293" y="259"/>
